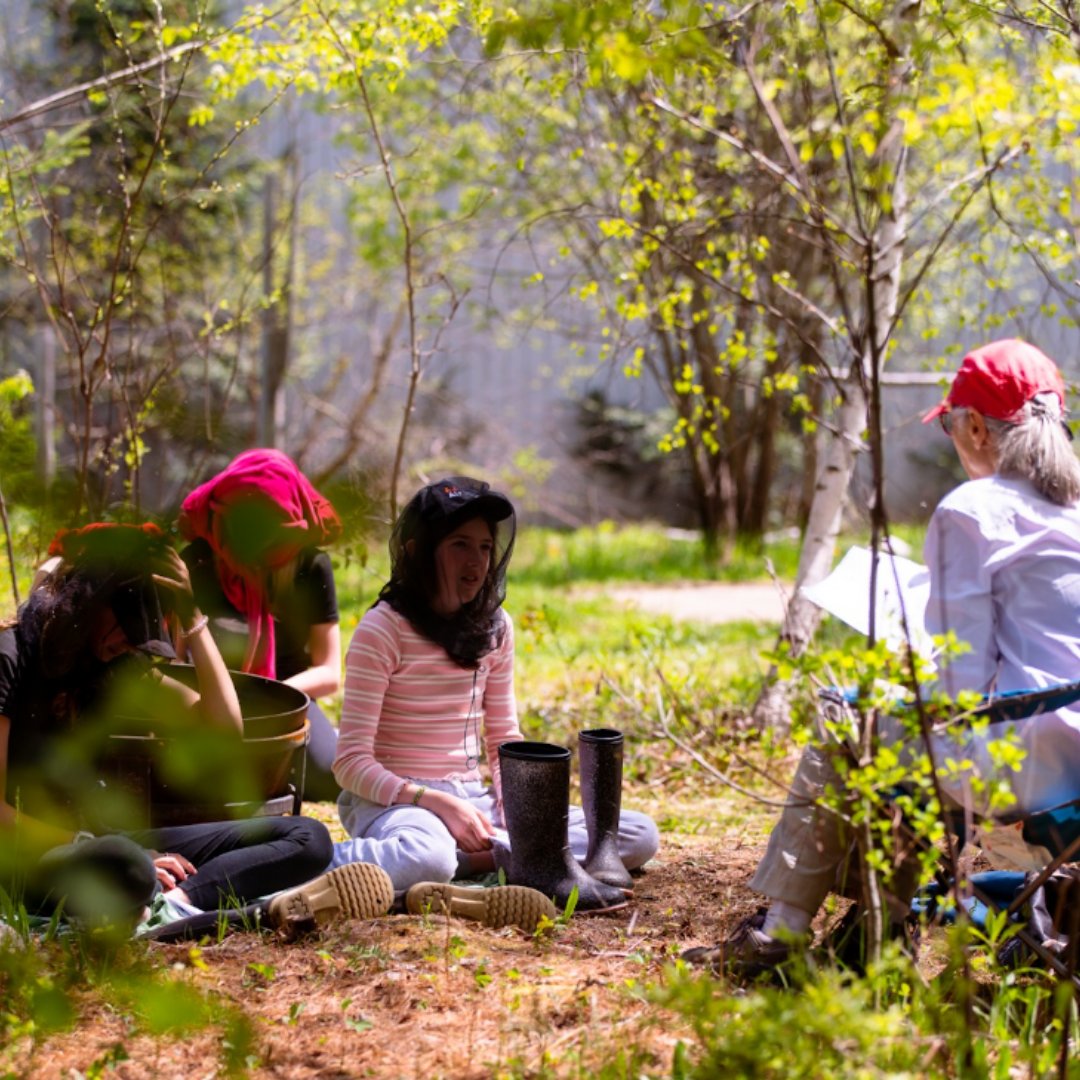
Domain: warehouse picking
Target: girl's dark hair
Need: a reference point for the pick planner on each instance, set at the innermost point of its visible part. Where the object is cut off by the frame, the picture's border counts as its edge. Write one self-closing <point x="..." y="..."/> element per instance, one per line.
<point x="101" y="566"/>
<point x="56" y="620"/>
<point x="53" y="634"/>
<point x="434" y="512"/>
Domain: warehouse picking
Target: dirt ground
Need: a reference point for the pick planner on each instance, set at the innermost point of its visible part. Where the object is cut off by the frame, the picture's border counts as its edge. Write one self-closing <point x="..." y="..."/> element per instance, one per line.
<point x="409" y="996"/>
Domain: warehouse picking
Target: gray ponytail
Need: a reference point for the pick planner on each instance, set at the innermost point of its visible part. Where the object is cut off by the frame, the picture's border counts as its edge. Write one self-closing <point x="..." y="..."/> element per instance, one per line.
<point x="1036" y="448"/>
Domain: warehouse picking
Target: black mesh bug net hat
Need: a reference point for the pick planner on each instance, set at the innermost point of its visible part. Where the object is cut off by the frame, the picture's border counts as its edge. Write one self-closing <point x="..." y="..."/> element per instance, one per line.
<point x="434" y="512"/>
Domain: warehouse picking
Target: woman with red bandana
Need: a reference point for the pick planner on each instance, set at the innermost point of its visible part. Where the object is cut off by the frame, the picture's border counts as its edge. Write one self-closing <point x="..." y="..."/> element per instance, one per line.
<point x="258" y="571"/>
<point x="86" y="640"/>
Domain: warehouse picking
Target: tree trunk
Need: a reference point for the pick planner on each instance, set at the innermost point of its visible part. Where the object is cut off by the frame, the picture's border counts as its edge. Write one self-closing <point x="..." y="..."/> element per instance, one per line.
<point x="819" y="543"/>
<point x="886" y="207"/>
<point x="756" y="515"/>
<point x="811" y="453"/>
<point x="277" y="318"/>
<point x="713" y="448"/>
<point x="10" y="548"/>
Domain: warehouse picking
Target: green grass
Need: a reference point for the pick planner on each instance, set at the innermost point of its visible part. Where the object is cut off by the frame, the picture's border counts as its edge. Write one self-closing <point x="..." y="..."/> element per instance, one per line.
<point x="609" y="552"/>
<point x="579" y="653"/>
<point x="546" y="560"/>
<point x="650" y="552"/>
<point x="543" y="558"/>
<point x="585" y="660"/>
<point x="577" y="650"/>
<point x="573" y="640"/>
<point x="602" y="553"/>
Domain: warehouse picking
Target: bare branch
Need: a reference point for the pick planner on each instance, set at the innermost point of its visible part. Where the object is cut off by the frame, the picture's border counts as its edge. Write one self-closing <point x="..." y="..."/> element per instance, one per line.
<point x="928" y="261"/>
<point x="415" y="369"/>
<point x="665" y="731"/>
<point x="788" y="179"/>
<point x="74" y="93"/>
<point x="167" y="56"/>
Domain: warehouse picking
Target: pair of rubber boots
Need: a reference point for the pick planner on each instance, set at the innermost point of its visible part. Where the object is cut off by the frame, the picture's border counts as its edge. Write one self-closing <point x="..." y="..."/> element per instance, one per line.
<point x="536" y="806"/>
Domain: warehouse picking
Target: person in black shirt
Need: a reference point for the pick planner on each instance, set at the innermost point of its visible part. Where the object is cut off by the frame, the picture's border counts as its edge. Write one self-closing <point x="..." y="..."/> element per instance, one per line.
<point x="258" y="572"/>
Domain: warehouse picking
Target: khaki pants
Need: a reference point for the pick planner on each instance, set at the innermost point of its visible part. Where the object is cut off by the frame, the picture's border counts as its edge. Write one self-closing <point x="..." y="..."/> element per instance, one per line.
<point x="810" y="848"/>
<point x="809" y="844"/>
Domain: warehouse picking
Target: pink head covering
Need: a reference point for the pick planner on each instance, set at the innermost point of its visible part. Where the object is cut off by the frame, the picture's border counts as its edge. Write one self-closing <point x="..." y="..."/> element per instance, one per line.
<point x="296" y="516"/>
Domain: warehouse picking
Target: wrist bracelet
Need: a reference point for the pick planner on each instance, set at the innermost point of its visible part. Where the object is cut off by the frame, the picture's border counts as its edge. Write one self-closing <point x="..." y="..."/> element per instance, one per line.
<point x="200" y="623"/>
<point x="416" y="798"/>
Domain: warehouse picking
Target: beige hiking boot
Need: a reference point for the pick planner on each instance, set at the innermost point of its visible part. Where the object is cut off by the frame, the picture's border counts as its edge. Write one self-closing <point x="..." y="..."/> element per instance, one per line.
<point x="353" y="891"/>
<point x="502" y="905"/>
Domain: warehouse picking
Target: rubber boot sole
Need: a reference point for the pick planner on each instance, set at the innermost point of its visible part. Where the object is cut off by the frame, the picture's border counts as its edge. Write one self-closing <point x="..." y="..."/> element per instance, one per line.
<point x="502" y="905"/>
<point x="352" y="891"/>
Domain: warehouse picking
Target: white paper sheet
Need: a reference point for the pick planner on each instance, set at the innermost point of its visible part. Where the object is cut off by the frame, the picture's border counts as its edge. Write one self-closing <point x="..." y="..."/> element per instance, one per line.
<point x="902" y="586"/>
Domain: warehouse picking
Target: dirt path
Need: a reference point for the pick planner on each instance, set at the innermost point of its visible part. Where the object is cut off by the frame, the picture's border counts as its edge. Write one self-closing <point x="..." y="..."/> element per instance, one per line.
<point x="710" y="602"/>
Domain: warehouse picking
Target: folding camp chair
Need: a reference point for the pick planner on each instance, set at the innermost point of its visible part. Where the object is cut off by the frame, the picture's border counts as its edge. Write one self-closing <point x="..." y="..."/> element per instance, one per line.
<point x="1050" y="838"/>
<point x="1042" y="909"/>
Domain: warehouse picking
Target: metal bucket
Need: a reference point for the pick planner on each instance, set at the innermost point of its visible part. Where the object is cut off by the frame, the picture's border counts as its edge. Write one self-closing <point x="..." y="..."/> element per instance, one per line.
<point x="271" y="758"/>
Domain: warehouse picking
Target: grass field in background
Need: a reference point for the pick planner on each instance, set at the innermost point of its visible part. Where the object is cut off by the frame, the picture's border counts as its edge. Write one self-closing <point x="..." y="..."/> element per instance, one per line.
<point x="573" y="641"/>
<point x="578" y="649"/>
<point x="610" y="553"/>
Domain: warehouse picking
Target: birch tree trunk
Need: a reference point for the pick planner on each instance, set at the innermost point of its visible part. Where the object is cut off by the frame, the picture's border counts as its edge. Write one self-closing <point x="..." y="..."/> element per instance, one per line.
<point x="886" y="205"/>
<point x="819" y="544"/>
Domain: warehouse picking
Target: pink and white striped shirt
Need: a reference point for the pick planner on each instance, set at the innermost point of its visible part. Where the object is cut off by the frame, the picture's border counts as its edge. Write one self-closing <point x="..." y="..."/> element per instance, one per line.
<point x="410" y="712"/>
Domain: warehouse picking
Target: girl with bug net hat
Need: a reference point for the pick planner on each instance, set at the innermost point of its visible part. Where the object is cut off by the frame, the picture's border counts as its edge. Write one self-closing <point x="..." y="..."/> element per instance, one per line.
<point x="429" y="689"/>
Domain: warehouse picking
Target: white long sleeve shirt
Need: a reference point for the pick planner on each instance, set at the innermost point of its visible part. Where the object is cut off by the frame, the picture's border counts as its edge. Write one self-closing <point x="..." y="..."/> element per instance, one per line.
<point x="1004" y="568"/>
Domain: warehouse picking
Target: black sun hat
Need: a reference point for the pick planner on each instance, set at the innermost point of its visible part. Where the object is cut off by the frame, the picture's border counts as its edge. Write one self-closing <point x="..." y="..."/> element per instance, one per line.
<point x="430" y="516"/>
<point x="458" y="497"/>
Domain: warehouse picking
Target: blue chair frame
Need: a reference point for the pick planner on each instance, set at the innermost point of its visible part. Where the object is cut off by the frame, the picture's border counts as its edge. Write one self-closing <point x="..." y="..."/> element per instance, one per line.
<point x="1056" y="829"/>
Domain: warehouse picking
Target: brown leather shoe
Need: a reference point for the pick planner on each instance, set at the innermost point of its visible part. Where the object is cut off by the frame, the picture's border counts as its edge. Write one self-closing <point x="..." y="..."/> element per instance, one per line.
<point x="745" y="954"/>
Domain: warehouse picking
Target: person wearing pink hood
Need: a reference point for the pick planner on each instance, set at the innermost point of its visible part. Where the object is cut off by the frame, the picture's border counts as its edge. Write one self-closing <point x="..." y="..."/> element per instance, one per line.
<point x="259" y="573"/>
<point x="1003" y="554"/>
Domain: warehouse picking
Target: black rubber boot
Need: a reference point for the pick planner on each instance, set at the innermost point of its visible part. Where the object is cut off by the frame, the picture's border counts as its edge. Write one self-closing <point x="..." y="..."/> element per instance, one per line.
<point x="536" y="804"/>
<point x="600" y="757"/>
